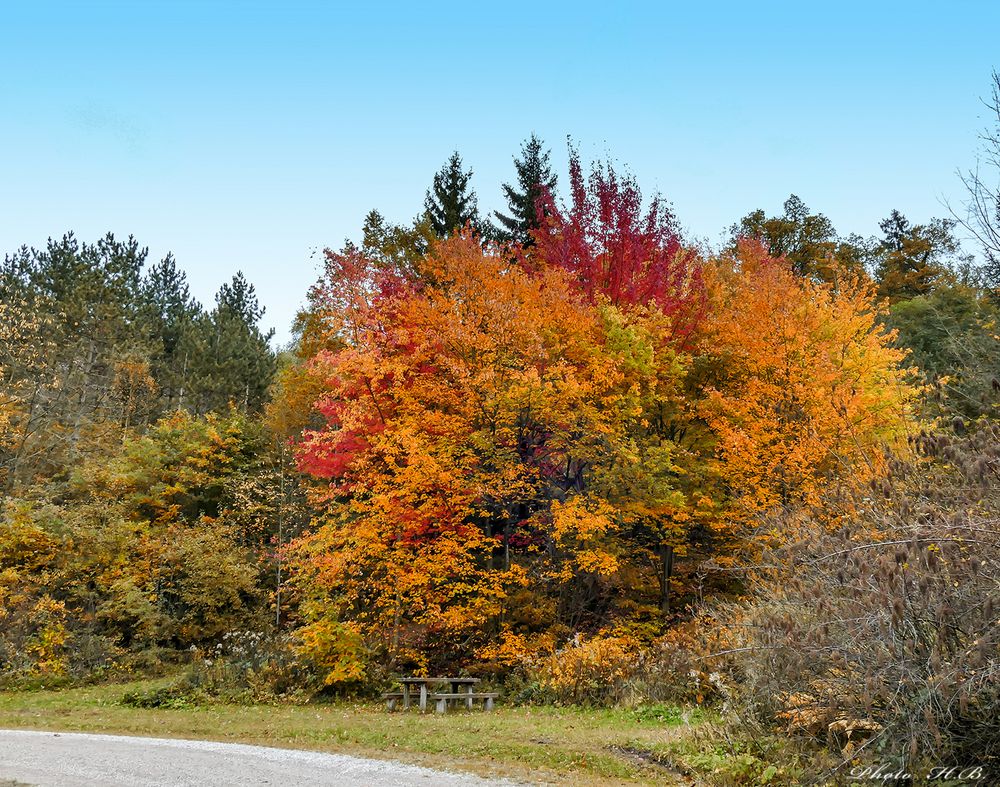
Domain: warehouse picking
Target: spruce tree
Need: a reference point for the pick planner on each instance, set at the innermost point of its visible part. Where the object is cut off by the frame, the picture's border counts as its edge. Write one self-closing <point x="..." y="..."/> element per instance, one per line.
<point x="534" y="178"/>
<point x="451" y="202"/>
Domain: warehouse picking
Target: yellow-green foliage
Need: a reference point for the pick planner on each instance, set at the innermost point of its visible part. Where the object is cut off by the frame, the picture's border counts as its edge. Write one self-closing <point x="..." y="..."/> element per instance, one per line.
<point x="335" y="649"/>
<point x="142" y="550"/>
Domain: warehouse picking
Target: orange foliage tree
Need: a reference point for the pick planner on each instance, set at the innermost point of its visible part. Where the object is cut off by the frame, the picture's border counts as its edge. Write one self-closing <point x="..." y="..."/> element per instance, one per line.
<point x="807" y="384"/>
<point x="506" y="457"/>
<point x="488" y="430"/>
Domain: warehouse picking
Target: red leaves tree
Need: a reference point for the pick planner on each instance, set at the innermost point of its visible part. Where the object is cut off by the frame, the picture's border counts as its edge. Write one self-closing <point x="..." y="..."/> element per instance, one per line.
<point x="616" y="249"/>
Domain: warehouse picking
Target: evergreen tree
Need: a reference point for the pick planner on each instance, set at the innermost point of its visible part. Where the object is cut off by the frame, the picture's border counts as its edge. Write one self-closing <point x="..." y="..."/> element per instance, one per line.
<point x="172" y="315"/>
<point x="534" y="178"/>
<point x="451" y="202"/>
<point x="234" y="360"/>
<point x="93" y="348"/>
<point x="239" y="299"/>
<point x="88" y="377"/>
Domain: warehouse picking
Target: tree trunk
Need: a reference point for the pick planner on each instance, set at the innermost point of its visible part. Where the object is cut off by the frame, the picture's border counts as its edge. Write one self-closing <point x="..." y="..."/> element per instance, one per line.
<point x="666" y="571"/>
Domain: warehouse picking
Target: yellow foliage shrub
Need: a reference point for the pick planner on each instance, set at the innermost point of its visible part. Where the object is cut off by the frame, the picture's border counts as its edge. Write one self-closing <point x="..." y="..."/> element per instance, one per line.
<point x="335" y="649"/>
<point x="47" y="645"/>
<point x="594" y="669"/>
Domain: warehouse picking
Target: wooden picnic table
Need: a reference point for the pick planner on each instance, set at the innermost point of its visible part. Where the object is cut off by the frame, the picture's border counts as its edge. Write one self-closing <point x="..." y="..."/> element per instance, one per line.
<point x="457" y="686"/>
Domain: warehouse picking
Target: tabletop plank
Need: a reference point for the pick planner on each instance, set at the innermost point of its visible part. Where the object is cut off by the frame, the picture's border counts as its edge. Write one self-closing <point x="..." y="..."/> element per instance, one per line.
<point x="438" y="680"/>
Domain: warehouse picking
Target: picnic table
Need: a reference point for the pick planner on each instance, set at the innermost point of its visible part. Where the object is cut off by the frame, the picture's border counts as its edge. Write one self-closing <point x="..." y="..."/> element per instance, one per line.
<point x="459" y="689"/>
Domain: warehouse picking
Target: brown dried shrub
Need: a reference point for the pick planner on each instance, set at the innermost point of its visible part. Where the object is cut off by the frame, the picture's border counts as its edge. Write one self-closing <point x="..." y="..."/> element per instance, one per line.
<point x="880" y="637"/>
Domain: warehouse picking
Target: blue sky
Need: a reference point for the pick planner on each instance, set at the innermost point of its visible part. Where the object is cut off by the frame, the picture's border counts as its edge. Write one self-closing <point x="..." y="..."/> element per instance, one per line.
<point x="247" y="135"/>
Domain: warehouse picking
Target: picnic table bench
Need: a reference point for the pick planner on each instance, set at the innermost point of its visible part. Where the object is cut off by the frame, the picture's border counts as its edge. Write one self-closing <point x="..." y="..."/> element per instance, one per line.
<point x="460" y="690"/>
<point x="442" y="698"/>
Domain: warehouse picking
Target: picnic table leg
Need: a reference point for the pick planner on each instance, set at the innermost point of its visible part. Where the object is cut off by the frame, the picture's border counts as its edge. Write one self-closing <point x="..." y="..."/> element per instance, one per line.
<point x="442" y="705"/>
<point x="406" y="697"/>
<point x="489" y="703"/>
<point x="423" y="697"/>
<point x="468" y="700"/>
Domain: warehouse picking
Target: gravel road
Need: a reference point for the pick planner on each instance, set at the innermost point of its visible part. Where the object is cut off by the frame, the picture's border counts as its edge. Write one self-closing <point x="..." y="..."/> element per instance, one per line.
<point x="74" y="760"/>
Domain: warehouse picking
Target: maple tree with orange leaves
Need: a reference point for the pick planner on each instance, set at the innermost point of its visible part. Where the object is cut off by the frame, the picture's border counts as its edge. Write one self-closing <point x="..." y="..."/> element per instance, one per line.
<point x="808" y="383"/>
<point x="495" y="435"/>
<point x="487" y="430"/>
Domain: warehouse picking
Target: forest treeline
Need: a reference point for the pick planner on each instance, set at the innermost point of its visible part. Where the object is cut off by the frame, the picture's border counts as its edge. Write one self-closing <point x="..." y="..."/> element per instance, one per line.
<point x="98" y="345"/>
<point x="562" y="447"/>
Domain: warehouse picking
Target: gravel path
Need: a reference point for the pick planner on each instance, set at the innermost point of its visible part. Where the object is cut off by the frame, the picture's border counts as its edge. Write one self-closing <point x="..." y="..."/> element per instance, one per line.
<point x="74" y="760"/>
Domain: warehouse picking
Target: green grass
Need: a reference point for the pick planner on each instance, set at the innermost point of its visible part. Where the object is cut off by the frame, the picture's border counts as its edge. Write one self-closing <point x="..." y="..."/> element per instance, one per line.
<point x="540" y="744"/>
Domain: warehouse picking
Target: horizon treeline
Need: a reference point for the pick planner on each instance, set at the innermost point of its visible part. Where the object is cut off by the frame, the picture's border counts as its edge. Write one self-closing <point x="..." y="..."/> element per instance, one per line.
<point x="546" y="445"/>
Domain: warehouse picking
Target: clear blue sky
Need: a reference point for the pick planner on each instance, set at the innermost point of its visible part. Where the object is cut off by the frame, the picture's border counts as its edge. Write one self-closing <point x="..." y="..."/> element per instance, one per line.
<point x="246" y="135"/>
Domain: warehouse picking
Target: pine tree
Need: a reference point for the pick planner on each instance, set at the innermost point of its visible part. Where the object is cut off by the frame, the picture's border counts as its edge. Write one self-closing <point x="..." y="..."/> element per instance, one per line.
<point x="234" y="361"/>
<point x="88" y="371"/>
<point x="172" y="315"/>
<point x="451" y="203"/>
<point x="239" y="299"/>
<point x="534" y="179"/>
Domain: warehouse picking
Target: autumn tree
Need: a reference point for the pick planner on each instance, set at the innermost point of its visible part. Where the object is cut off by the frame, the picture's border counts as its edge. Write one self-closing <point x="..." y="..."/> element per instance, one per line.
<point x="526" y="209"/>
<point x="162" y="541"/>
<point x="389" y="255"/>
<point x="808" y="382"/>
<point x="24" y="349"/>
<point x="911" y="258"/>
<point x="486" y="433"/>
<point x="614" y="248"/>
<point x="807" y="240"/>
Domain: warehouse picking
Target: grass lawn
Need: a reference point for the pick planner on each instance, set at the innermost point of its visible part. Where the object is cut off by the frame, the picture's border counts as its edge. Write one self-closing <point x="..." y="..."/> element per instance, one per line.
<point x="547" y="745"/>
